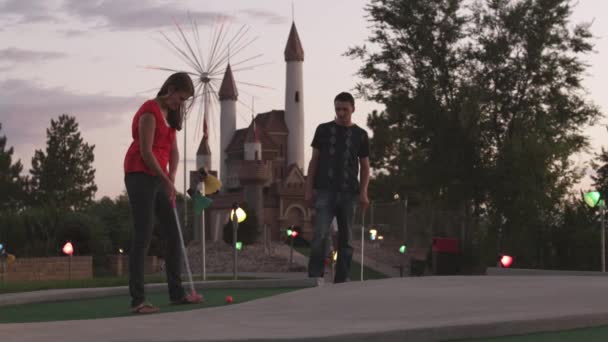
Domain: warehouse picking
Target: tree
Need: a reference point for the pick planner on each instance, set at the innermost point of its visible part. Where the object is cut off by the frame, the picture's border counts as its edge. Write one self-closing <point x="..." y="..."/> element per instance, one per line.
<point x="426" y="139"/>
<point x="576" y="238"/>
<point x="31" y="232"/>
<point x="483" y="107"/>
<point x="116" y="221"/>
<point x="533" y="116"/>
<point x="64" y="174"/>
<point x="600" y="180"/>
<point x="11" y="181"/>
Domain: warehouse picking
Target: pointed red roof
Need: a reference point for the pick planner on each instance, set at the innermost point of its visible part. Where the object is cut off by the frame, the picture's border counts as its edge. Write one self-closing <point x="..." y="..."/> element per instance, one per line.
<point x="252" y="133"/>
<point x="266" y="123"/>
<point x="203" y="148"/>
<point x="293" y="49"/>
<point x="228" y="88"/>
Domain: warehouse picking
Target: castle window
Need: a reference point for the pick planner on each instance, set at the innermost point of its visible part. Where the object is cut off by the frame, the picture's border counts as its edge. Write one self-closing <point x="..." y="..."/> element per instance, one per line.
<point x="297" y="96"/>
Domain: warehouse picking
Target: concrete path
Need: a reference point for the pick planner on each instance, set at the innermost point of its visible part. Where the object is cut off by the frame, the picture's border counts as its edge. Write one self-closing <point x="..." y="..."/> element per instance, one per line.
<point x="396" y="309"/>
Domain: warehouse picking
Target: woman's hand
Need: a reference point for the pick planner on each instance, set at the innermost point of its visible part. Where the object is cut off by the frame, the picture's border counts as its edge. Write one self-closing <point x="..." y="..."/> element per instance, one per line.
<point x="169" y="186"/>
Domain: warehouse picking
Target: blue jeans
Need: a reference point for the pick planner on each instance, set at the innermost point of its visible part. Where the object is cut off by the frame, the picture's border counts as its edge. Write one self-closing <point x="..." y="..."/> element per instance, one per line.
<point x="327" y="205"/>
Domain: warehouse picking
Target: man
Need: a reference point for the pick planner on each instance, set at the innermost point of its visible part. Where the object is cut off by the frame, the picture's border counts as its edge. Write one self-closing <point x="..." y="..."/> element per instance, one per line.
<point x="340" y="149"/>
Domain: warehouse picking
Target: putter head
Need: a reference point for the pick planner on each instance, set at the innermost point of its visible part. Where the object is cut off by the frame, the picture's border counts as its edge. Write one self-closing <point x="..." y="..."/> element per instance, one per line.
<point x="195" y="297"/>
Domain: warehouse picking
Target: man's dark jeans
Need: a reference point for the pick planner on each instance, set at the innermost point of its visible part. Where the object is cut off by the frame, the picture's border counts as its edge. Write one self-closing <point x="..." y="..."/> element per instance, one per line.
<point x="148" y="198"/>
<point x="327" y="205"/>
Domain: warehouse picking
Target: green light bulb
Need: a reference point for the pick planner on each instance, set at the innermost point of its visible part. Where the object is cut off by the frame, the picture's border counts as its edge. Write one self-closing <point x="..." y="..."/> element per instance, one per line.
<point x="592" y="198"/>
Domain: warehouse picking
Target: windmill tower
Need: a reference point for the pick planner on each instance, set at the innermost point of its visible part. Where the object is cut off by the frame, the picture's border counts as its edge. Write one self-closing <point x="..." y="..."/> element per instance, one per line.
<point x="294" y="98"/>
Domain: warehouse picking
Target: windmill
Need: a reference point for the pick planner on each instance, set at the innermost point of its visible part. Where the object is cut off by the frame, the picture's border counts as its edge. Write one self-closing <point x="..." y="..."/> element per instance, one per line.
<point x="206" y="66"/>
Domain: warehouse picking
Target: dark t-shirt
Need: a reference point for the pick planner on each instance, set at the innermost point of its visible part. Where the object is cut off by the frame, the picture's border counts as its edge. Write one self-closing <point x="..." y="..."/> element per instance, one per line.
<point x="340" y="148"/>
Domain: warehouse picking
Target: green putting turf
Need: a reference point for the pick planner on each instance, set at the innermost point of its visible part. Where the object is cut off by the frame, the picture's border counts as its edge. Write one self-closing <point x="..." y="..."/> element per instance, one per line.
<point x="24" y="286"/>
<point x="116" y="306"/>
<point x="577" y="335"/>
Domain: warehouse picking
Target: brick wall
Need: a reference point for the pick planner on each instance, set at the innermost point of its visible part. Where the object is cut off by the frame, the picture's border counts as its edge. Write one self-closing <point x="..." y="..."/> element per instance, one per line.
<point x="52" y="268"/>
<point x="119" y="264"/>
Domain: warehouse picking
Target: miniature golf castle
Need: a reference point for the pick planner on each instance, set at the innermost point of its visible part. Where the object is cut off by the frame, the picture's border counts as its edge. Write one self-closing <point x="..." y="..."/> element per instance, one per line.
<point x="262" y="164"/>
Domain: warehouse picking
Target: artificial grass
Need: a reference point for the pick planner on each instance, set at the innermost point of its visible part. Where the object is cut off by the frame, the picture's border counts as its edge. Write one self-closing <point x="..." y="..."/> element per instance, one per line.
<point x="117" y="306"/>
<point x="25" y="286"/>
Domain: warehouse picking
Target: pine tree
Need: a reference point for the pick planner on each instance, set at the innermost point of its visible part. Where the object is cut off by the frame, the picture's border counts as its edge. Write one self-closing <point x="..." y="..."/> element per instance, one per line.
<point x="63" y="175"/>
<point x="11" y="181"/>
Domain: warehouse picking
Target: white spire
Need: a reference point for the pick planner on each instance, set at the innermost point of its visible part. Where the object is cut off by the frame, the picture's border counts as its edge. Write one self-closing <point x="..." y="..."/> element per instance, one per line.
<point x="294" y="98"/>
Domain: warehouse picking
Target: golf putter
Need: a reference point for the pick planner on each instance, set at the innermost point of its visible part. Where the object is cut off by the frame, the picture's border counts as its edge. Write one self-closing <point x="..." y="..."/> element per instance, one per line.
<point x="193" y="292"/>
<point x="362" y="240"/>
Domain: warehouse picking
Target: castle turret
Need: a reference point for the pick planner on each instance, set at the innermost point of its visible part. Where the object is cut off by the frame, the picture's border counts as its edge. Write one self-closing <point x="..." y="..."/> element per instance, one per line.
<point x="203" y="155"/>
<point x="294" y="98"/>
<point x="228" y="95"/>
<point x="253" y="146"/>
<point x="253" y="174"/>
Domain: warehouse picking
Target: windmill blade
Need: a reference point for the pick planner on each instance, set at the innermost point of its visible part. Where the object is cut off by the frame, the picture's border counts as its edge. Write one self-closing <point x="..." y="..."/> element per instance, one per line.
<point x="255" y="85"/>
<point x="186" y="58"/>
<point x="216" y="43"/>
<point x="197" y="39"/>
<point x="198" y="117"/>
<point x="250" y="67"/>
<point x="235" y="41"/>
<point x="188" y="44"/>
<point x="238" y="50"/>
<point x="168" y="69"/>
<point x="249" y="109"/>
<point x="238" y="47"/>
<point x="246" y="60"/>
<point x="177" y="52"/>
<point x="212" y="38"/>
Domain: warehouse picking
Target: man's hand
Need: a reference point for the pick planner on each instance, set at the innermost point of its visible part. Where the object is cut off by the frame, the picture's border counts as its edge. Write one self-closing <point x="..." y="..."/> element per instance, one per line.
<point x="309" y="197"/>
<point x="363" y="200"/>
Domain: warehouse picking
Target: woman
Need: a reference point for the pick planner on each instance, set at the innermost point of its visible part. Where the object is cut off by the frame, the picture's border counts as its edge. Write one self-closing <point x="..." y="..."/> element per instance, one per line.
<point x="151" y="187"/>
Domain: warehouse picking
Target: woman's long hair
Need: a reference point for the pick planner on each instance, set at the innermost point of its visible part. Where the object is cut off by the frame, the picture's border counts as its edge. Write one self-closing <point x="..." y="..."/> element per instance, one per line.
<point x="180" y="81"/>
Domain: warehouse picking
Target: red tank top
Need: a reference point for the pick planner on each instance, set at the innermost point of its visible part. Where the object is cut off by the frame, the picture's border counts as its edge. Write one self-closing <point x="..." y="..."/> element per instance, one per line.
<point x="164" y="136"/>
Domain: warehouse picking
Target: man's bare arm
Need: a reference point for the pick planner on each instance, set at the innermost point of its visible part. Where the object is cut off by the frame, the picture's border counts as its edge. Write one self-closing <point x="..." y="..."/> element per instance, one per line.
<point x="310" y="178"/>
<point x="364" y="181"/>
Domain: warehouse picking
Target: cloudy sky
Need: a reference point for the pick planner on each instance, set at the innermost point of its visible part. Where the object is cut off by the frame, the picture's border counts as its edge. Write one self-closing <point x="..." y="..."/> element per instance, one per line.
<point x="87" y="58"/>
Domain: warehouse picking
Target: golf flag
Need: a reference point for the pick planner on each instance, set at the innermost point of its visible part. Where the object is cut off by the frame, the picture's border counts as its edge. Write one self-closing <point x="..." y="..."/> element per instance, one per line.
<point x="200" y="202"/>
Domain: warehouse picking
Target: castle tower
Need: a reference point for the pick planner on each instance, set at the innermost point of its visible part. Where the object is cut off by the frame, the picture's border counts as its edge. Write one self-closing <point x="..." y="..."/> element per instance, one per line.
<point x="203" y="155"/>
<point x="253" y="146"/>
<point x="294" y="98"/>
<point x="228" y="96"/>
